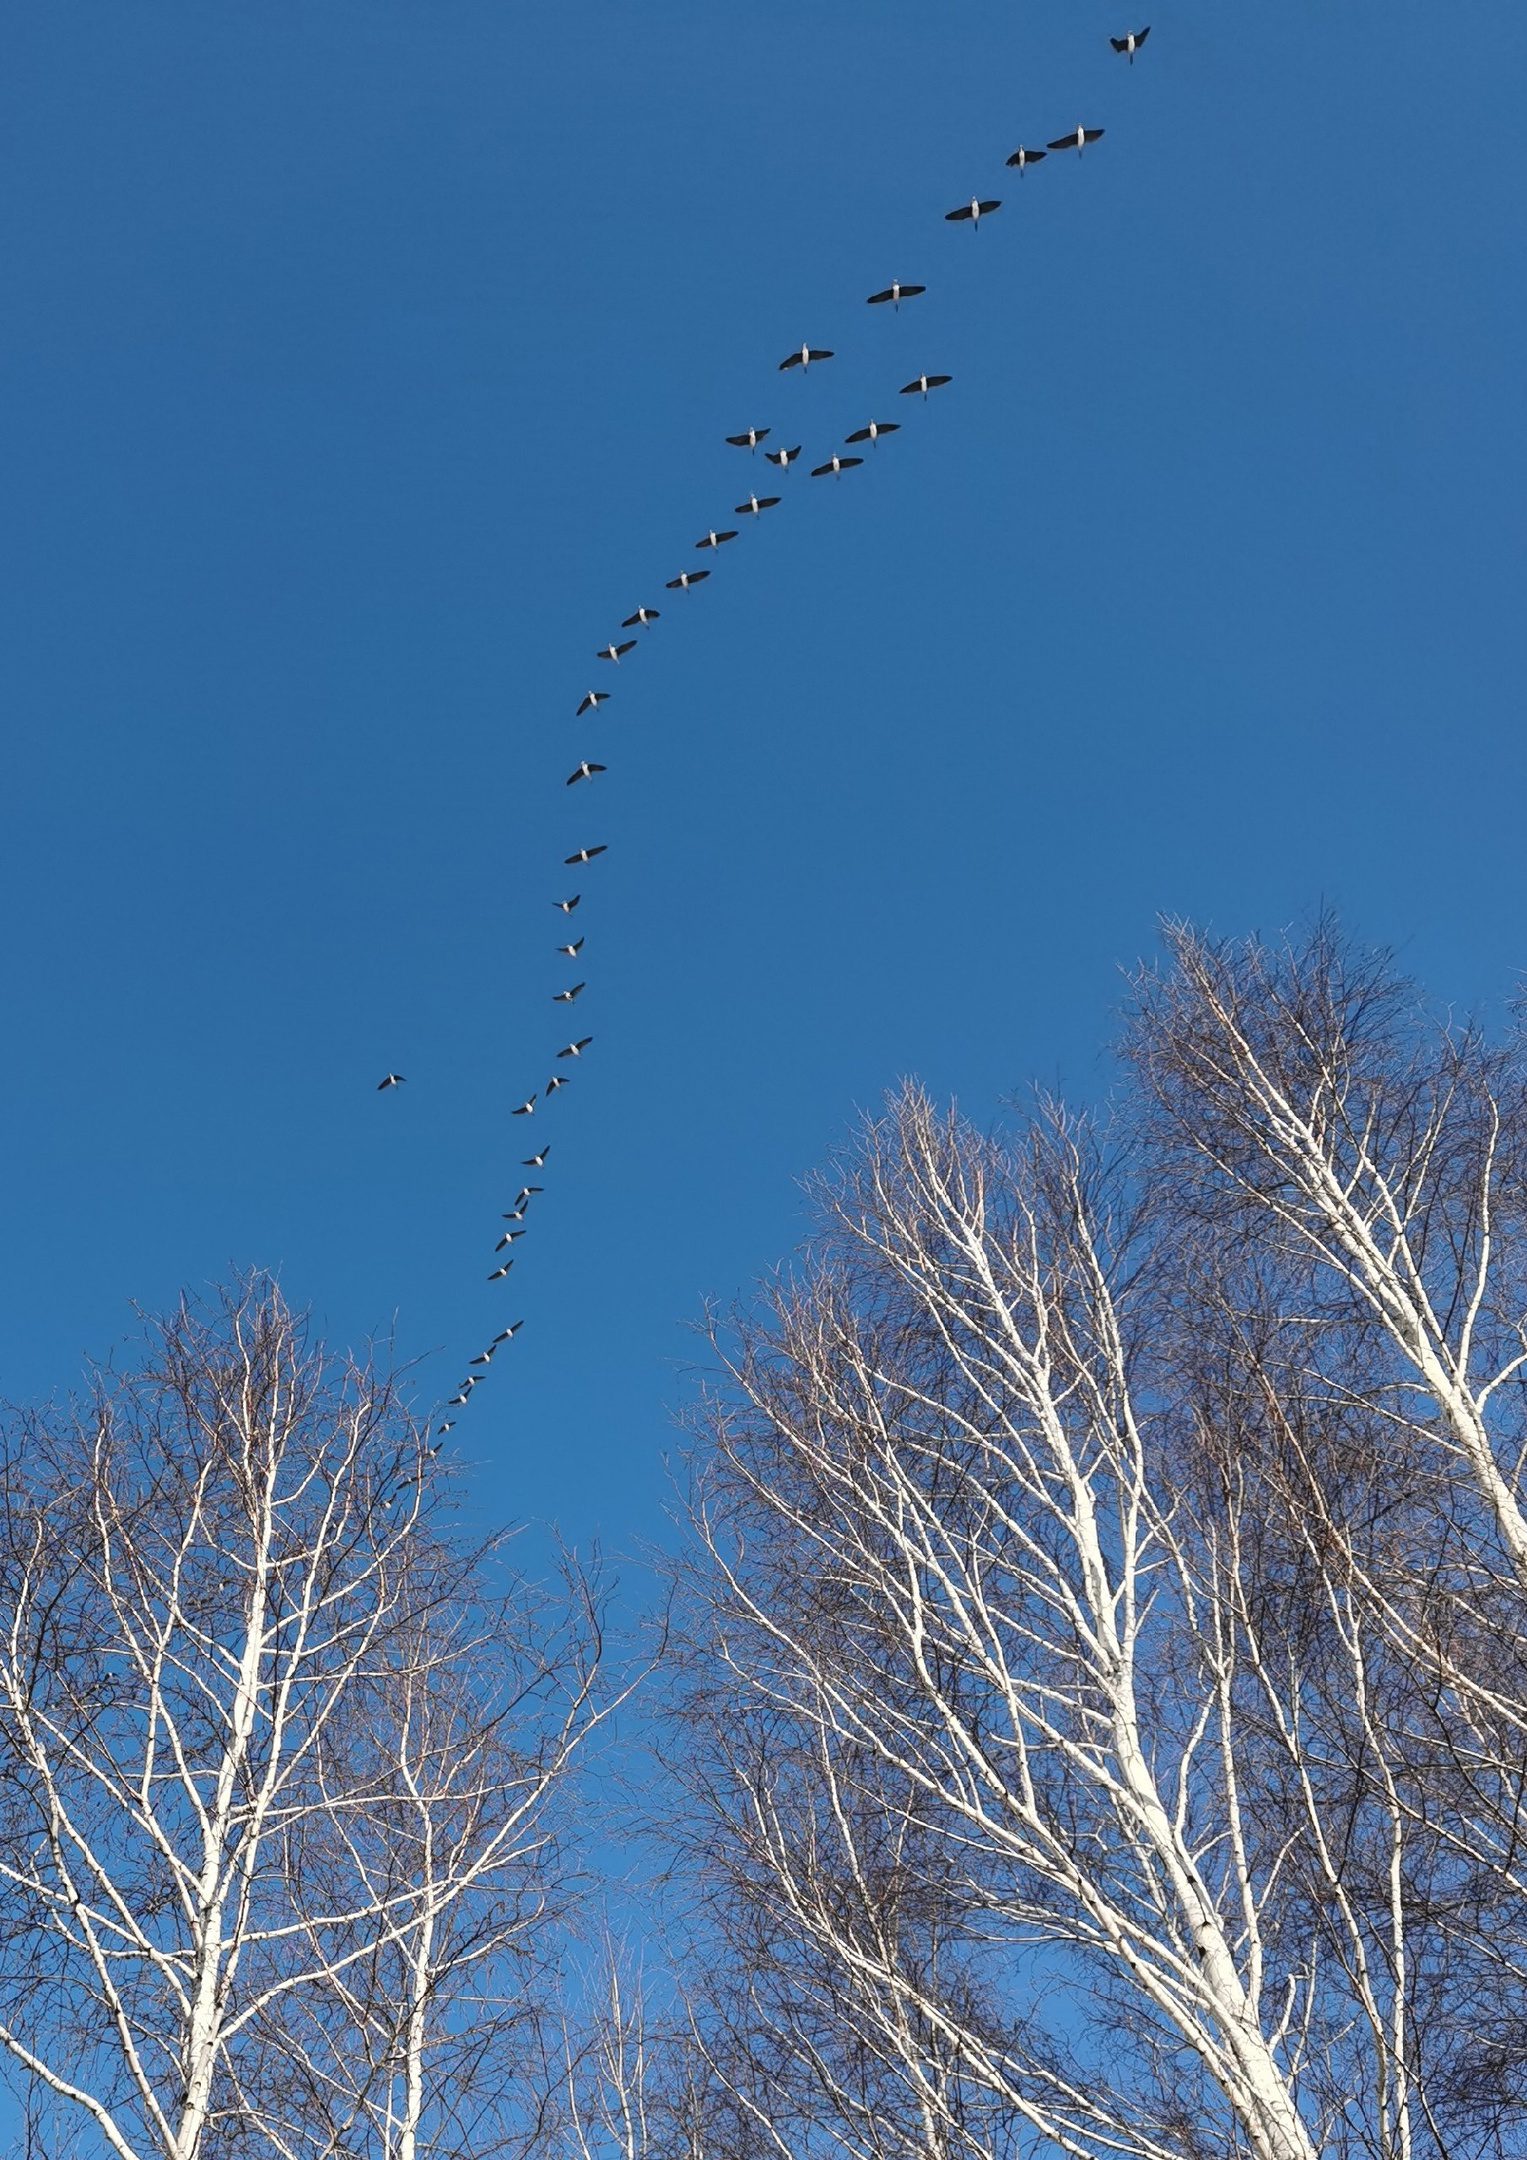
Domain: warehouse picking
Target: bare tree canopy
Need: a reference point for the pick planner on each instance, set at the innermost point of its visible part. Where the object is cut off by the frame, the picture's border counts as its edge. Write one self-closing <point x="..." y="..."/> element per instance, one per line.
<point x="1108" y="1703"/>
<point x="279" y="1763"/>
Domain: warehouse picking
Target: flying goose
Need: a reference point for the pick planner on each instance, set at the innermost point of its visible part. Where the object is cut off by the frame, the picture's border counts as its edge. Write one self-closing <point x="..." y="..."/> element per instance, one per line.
<point x="507" y="1240"/>
<point x="755" y="505"/>
<point x="751" y="440"/>
<point x="500" y="1272"/>
<point x="534" y="1162"/>
<point x="714" y="539"/>
<point x="576" y="1049"/>
<point x="453" y="1401"/>
<point x="613" y="652"/>
<point x="567" y="906"/>
<point x="640" y="619"/>
<point x="392" y="1080"/>
<point x="585" y="854"/>
<point x="784" y="459"/>
<point x="556" y="1081"/>
<point x="971" y="213"/>
<point x="1078" y="139"/>
<point x="527" y="1192"/>
<point x="513" y="1215"/>
<point x="895" y="293"/>
<point x="448" y="1426"/>
<point x="925" y="383"/>
<point x="565" y="997"/>
<point x="526" y="1109"/>
<point x="804" y="357"/>
<point x="571" y="952"/>
<point x="585" y="771"/>
<point x="835" y="465"/>
<point x="874" y="431"/>
<point x="1131" y="43"/>
<point x="595" y="697"/>
<point x="1022" y="158"/>
<point x="686" y="578"/>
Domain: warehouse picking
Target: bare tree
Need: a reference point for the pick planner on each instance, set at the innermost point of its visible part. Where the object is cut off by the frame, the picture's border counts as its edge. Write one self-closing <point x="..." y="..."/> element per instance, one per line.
<point x="1110" y="1708"/>
<point x="270" y="1797"/>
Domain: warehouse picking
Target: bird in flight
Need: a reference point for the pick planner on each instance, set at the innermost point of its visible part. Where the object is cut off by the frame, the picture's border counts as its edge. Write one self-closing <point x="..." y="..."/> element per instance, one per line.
<point x="925" y="383"/>
<point x="571" y="952"/>
<point x="613" y="652"/>
<point x="784" y="459"/>
<point x="1078" y="139"/>
<point x="804" y="357"/>
<point x="751" y="440"/>
<point x="448" y="1426"/>
<point x="526" y="1109"/>
<point x="585" y="771"/>
<point x="686" y="578"/>
<point x="1022" y="158"/>
<point x="1131" y="44"/>
<point x="497" y="1343"/>
<point x="595" y="697"/>
<point x="534" y="1162"/>
<point x="874" y="431"/>
<point x="640" y="619"/>
<point x="754" y="505"/>
<point x="714" y="539"/>
<point x="557" y="1080"/>
<point x="567" y="906"/>
<point x="452" y="1401"/>
<point x="835" y="465"/>
<point x="585" y="854"/>
<point x="527" y="1192"/>
<point x="971" y="213"/>
<point x="500" y="1272"/>
<point x="576" y="1049"/>
<point x="895" y="294"/>
<point x="565" y="997"/>
<point x="507" y="1240"/>
<point x="392" y="1080"/>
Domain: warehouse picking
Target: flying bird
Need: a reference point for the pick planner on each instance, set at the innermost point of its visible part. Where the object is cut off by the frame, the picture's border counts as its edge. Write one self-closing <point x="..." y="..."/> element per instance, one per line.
<point x="1078" y="139"/>
<point x="755" y="504"/>
<point x="874" y="431"/>
<point x="714" y="539"/>
<point x="453" y="1401"/>
<point x="784" y="459"/>
<point x="572" y="951"/>
<point x="500" y="1272"/>
<point x="585" y="771"/>
<point x="507" y="1240"/>
<point x="504" y="1334"/>
<point x="804" y="357"/>
<point x="567" y="906"/>
<point x="895" y="294"/>
<point x="526" y="1109"/>
<point x="1022" y="158"/>
<point x="613" y="652"/>
<point x="925" y="383"/>
<point x="392" y="1080"/>
<point x="835" y="465"/>
<point x="513" y="1215"/>
<point x="686" y="578"/>
<point x="971" y="213"/>
<point x="576" y="1049"/>
<point x="448" y="1426"/>
<point x="1131" y="43"/>
<point x="595" y="697"/>
<point x="640" y="619"/>
<point x="534" y="1162"/>
<point x="557" y="1080"/>
<point x="751" y="440"/>
<point x="585" y="854"/>
<point x="565" y="997"/>
<point x="527" y="1192"/>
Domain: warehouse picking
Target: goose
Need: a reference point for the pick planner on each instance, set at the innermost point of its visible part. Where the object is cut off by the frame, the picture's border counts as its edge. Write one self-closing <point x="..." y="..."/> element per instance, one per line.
<point x="613" y="652"/>
<point x="448" y="1426"/>
<point x="1021" y="159"/>
<point x="507" y="1240"/>
<point x="584" y="854"/>
<point x="567" y="906"/>
<point x="526" y="1109"/>
<point x="513" y="1215"/>
<point x="504" y="1335"/>
<point x="751" y="440"/>
<point x="595" y="697"/>
<point x="452" y="1402"/>
<point x="1131" y="43"/>
<point x="835" y="465"/>
<point x="500" y="1272"/>
<point x="534" y="1162"/>
<point x="527" y="1192"/>
<point x="585" y="771"/>
<point x="874" y="431"/>
<point x="565" y="997"/>
<point x="784" y="459"/>
<point x="640" y="619"/>
<point x="686" y="578"/>
<point x="804" y="357"/>
<point x="571" y="952"/>
<point x="895" y="293"/>
<point x="755" y="505"/>
<point x="925" y="383"/>
<point x="576" y="1049"/>
<point x="1078" y="139"/>
<point x="557" y="1080"/>
<point x="392" y="1080"/>
<point x="971" y="213"/>
<point x="714" y="539"/>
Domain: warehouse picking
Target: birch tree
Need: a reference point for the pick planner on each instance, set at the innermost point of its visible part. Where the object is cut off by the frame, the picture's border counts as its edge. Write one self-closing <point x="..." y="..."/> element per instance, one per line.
<point x="1108" y="1721"/>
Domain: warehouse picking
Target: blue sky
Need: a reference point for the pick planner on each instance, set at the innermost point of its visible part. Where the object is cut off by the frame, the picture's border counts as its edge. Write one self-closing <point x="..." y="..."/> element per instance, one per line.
<point x="363" y="365"/>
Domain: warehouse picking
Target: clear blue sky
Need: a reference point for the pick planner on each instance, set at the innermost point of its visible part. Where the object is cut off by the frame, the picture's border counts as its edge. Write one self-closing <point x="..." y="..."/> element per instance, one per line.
<point x="364" y="364"/>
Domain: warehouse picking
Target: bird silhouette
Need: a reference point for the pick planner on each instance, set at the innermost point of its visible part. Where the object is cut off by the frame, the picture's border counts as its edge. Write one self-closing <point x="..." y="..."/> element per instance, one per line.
<point x="835" y="465"/>
<point x="714" y="539"/>
<point x="804" y="357"/>
<point x="874" y="431"/>
<point x="392" y="1080"/>
<point x="1021" y="158"/>
<point x="1078" y="139"/>
<point x="641" y="618"/>
<point x="686" y="578"/>
<point x="572" y="951"/>
<point x="896" y="294"/>
<point x="751" y="440"/>
<point x="567" y="906"/>
<point x="557" y="1080"/>
<point x="527" y="1192"/>
<point x="1130" y="43"/>
<point x="784" y="459"/>
<point x="526" y="1109"/>
<point x="971" y="213"/>
<point x="925" y="383"/>
<point x="534" y="1162"/>
<point x="584" y="854"/>
<point x="507" y="1240"/>
<point x="500" y="1272"/>
<point x="613" y="652"/>
<point x="565" y="997"/>
<point x="576" y="1049"/>
<point x="595" y="697"/>
<point x="585" y="771"/>
<point x="754" y="505"/>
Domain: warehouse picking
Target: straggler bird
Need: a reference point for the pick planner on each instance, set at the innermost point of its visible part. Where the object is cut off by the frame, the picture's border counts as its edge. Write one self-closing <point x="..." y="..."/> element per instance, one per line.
<point x="526" y="1109"/>
<point x="804" y="357"/>
<point x="585" y="771"/>
<point x="595" y="697"/>
<point x="784" y="459"/>
<point x="1078" y="139"/>
<point x="565" y="997"/>
<point x="567" y="906"/>
<point x="584" y="854"/>
<point x="971" y="213"/>
<point x="1022" y="158"/>
<point x="754" y="505"/>
<point x="686" y="578"/>
<point x="751" y="440"/>
<point x="572" y="951"/>
<point x="925" y="383"/>
<point x="392" y="1080"/>
<point x="874" y="431"/>
<point x="613" y="652"/>
<point x="643" y="616"/>
<point x="534" y="1162"/>
<point x="714" y="539"/>
<point x="895" y="294"/>
<point x="1131" y="43"/>
<point x="576" y="1049"/>
<point x="835" y="465"/>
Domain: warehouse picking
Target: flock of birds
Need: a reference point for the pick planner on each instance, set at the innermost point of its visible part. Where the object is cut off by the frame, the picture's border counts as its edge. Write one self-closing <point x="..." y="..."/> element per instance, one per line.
<point x="752" y="440"/>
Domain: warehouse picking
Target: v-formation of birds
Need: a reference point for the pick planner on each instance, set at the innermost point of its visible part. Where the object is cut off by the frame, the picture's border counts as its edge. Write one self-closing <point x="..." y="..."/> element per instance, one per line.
<point x="801" y="361"/>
